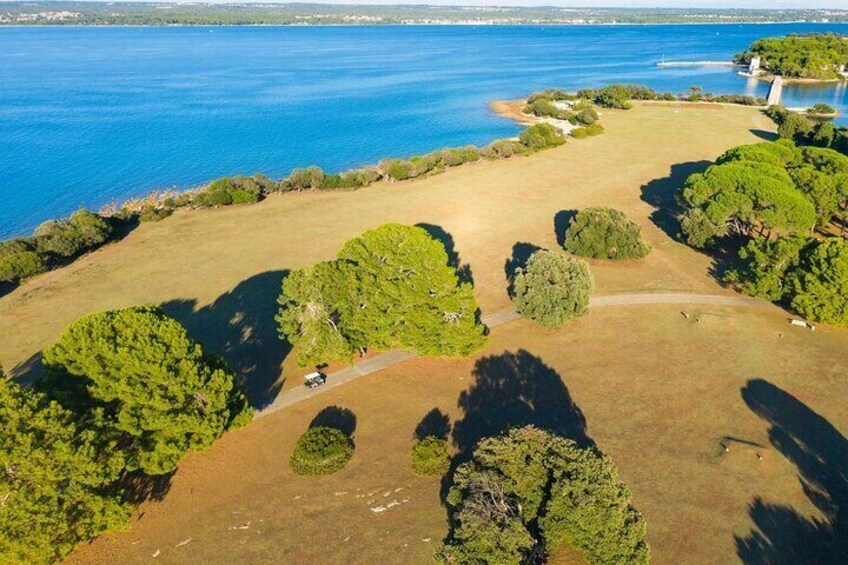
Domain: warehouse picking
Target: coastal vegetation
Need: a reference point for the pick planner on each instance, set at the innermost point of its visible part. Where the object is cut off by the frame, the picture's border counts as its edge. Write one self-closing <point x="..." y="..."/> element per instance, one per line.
<point x="552" y="288"/>
<point x="777" y="204"/>
<point x="391" y="287"/>
<point x="127" y="395"/>
<point x="817" y="56"/>
<point x="525" y="493"/>
<point x="58" y="242"/>
<point x="604" y="233"/>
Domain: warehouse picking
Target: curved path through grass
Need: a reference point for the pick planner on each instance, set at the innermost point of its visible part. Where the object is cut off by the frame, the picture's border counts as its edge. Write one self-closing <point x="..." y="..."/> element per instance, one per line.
<point x="391" y="358"/>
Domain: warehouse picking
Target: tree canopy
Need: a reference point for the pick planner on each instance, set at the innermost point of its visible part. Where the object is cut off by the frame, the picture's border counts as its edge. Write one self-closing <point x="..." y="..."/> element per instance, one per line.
<point x="811" y="56"/>
<point x="820" y="285"/>
<point x="391" y="287"/>
<point x="604" y="233"/>
<point x="157" y="389"/>
<point x="552" y="288"/>
<point x="525" y="493"/>
<point x="773" y="195"/>
<point x="54" y="476"/>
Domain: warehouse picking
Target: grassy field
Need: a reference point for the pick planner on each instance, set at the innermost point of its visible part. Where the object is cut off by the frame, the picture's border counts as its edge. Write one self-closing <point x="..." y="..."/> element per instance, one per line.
<point x="660" y="393"/>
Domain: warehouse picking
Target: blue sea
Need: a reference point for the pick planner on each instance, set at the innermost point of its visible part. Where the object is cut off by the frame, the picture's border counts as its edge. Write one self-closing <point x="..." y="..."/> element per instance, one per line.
<point x="92" y="116"/>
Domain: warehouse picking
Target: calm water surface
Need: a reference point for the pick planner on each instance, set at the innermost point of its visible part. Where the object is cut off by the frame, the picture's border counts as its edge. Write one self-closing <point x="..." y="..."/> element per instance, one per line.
<point x="90" y="116"/>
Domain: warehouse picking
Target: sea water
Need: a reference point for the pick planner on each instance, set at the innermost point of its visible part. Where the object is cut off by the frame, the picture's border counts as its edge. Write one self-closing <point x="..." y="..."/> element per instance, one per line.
<point x="92" y="116"/>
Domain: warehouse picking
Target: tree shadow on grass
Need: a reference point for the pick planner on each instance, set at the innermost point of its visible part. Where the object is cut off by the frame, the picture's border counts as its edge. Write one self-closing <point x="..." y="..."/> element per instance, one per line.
<point x="336" y="417"/>
<point x="661" y="194"/>
<point x="28" y="372"/>
<point x="435" y="423"/>
<point x="820" y="452"/>
<point x="463" y="271"/>
<point x="765" y="135"/>
<point x="512" y="390"/>
<point x="562" y="220"/>
<point x="138" y="487"/>
<point x="240" y="327"/>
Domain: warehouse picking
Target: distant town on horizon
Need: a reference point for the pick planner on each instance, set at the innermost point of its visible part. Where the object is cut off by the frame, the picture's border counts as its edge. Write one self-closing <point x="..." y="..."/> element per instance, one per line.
<point x="174" y="13"/>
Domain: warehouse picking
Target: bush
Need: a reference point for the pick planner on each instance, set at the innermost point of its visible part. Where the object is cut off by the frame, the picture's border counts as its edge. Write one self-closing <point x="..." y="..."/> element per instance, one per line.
<point x="321" y="450"/>
<point x="234" y="190"/>
<point x="604" y="233"/>
<point x="151" y="213"/>
<point x="152" y="385"/>
<point x="503" y="149"/>
<point x="18" y="260"/>
<point x="587" y="116"/>
<point x="822" y="109"/>
<point x="541" y="136"/>
<point x="531" y="490"/>
<point x="430" y="456"/>
<point x="588" y="131"/>
<point x="81" y="232"/>
<point x="396" y="169"/>
<point x="552" y="288"/>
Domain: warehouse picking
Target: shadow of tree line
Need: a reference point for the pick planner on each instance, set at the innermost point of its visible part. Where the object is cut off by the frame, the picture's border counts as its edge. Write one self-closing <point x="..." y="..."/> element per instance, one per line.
<point x="820" y="452"/>
<point x="240" y="327"/>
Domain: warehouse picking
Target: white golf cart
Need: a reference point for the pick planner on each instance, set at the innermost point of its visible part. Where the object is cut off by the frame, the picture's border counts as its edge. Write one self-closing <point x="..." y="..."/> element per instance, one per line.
<point x="314" y="380"/>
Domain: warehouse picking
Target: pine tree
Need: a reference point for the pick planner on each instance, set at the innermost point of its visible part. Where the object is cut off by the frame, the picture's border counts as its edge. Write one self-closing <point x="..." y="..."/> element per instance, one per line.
<point x="158" y="389"/>
<point x="54" y="479"/>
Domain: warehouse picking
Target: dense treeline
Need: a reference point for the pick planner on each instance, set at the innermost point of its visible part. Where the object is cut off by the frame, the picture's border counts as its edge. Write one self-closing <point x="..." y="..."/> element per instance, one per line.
<point x="577" y="107"/>
<point x="779" y="204"/>
<point x="126" y="396"/>
<point x="820" y="56"/>
<point x="57" y="242"/>
<point x="392" y="287"/>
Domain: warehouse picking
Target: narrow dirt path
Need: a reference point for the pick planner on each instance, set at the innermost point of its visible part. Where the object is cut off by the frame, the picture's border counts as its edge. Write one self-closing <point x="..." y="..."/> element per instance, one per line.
<point x="391" y="358"/>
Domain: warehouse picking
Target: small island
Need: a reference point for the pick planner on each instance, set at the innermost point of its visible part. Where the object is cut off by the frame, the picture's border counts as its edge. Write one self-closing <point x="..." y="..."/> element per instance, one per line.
<point x="810" y="58"/>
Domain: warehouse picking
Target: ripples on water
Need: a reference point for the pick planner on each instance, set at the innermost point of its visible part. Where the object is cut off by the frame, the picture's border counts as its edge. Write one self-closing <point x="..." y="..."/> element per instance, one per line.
<point x="90" y="116"/>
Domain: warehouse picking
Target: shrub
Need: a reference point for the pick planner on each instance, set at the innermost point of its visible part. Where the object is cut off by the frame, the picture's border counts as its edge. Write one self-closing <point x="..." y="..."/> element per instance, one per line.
<point x="795" y="127"/>
<point x="321" y="450"/>
<point x="153" y="386"/>
<point x="552" y="288"/>
<point x="396" y="169"/>
<point x="150" y="213"/>
<point x="529" y="491"/>
<point x="820" y="284"/>
<point x="503" y="149"/>
<point x="541" y="136"/>
<point x="587" y="116"/>
<point x="234" y="190"/>
<point x="822" y="109"/>
<point x="604" y="233"/>
<point x="430" y="456"/>
<point x="587" y="131"/>
<point x="81" y="232"/>
<point x="18" y="260"/>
